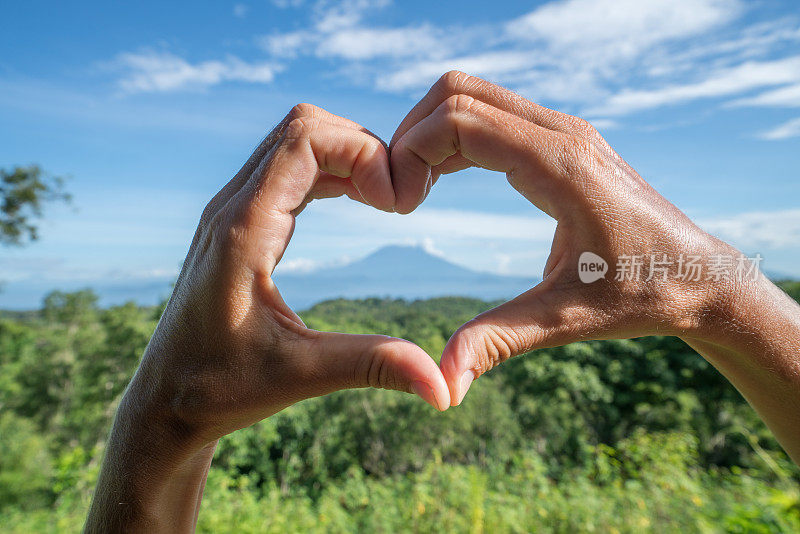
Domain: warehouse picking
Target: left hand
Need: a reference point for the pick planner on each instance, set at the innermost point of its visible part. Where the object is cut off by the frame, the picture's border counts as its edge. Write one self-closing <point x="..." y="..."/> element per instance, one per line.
<point x="228" y="351"/>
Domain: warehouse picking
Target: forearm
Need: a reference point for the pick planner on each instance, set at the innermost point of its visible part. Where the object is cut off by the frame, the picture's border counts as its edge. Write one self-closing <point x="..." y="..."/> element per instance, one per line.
<point x="752" y="336"/>
<point x="152" y="477"/>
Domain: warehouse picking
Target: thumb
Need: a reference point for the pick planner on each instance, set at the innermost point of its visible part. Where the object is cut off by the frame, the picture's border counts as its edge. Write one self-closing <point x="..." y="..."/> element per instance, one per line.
<point x="346" y="361"/>
<point x="535" y="319"/>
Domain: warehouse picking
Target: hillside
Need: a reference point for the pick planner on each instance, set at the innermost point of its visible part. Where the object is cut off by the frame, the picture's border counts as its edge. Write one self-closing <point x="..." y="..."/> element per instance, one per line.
<point x="400" y="272"/>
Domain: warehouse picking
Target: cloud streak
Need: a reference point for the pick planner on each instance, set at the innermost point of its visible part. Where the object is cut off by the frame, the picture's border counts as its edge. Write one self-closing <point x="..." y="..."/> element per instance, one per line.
<point x="152" y="71"/>
<point x="790" y="128"/>
<point x="724" y="82"/>
<point x="758" y="229"/>
<point x="598" y="58"/>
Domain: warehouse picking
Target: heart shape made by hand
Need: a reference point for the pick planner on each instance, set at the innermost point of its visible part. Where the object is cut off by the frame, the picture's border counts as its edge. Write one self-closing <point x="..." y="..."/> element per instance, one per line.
<point x="228" y="323"/>
<point x="228" y="351"/>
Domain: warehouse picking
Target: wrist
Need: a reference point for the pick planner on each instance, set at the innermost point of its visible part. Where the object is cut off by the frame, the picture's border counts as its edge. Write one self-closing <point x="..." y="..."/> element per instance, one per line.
<point x="147" y="421"/>
<point x="704" y="304"/>
<point x="741" y="313"/>
<point x="154" y="470"/>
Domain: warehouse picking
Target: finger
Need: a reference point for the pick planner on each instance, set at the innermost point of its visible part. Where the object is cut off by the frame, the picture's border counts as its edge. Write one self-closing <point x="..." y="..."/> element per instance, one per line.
<point x="309" y="149"/>
<point x="458" y="83"/>
<point x="263" y="149"/>
<point x="330" y="186"/>
<point x="452" y="164"/>
<point x="539" y="318"/>
<point x="342" y="361"/>
<point x="314" y="146"/>
<point x="488" y="137"/>
<point x="315" y="112"/>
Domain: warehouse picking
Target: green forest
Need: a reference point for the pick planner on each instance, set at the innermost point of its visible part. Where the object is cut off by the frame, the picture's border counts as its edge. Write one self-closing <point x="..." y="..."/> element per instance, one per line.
<point x="612" y="436"/>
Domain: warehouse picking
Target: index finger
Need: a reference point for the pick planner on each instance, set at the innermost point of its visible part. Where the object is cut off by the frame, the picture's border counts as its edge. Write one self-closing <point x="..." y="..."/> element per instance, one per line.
<point x="531" y="156"/>
<point x="263" y="149"/>
<point x="459" y="83"/>
<point x="310" y="149"/>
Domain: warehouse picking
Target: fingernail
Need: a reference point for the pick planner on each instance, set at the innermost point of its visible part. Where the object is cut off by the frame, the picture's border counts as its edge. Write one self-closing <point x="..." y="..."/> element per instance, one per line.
<point x="464" y="383"/>
<point x="425" y="392"/>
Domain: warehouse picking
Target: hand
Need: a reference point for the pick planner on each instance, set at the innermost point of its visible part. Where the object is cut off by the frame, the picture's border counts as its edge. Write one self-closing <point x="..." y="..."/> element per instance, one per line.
<point x="746" y="327"/>
<point x="563" y="166"/>
<point x="228" y="351"/>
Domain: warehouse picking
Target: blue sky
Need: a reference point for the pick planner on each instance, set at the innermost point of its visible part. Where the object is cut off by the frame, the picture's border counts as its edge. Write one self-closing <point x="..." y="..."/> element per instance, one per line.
<point x="151" y="107"/>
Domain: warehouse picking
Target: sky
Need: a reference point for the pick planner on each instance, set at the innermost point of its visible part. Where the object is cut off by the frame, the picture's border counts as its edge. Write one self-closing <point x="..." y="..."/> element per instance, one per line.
<point x="151" y="107"/>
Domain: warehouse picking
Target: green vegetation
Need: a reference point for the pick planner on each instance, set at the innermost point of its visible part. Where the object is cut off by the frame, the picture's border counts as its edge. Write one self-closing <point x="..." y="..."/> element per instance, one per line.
<point x="23" y="193"/>
<point x="615" y="436"/>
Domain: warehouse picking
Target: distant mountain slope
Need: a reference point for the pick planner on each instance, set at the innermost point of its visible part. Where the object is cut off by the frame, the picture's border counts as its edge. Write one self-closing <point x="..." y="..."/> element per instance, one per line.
<point x="397" y="271"/>
<point x="394" y="271"/>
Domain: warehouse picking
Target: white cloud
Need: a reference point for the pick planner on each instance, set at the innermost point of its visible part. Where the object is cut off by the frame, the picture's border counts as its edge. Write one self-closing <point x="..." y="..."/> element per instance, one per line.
<point x="503" y="263"/>
<point x="569" y="50"/>
<point x="337" y="32"/>
<point x="604" y="124"/>
<point x="440" y="225"/>
<point x="758" y="230"/>
<point x="368" y="43"/>
<point x="286" y="45"/>
<point x="725" y="82"/>
<point x="425" y="226"/>
<point x="331" y="15"/>
<point x="307" y="265"/>
<point x="577" y="52"/>
<point x="489" y="65"/>
<point x="626" y="26"/>
<point x="240" y="10"/>
<point x="597" y="58"/>
<point x="429" y="246"/>
<point x="788" y="96"/>
<point x="161" y="71"/>
<point x="786" y="130"/>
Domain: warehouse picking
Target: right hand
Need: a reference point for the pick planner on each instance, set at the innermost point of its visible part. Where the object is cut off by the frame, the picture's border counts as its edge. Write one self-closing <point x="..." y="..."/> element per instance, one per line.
<point x="565" y="168"/>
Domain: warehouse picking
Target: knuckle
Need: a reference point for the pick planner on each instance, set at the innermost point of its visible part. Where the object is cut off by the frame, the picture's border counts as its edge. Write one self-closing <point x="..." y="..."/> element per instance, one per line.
<point x="501" y="344"/>
<point x="374" y="368"/>
<point x="207" y="231"/>
<point x="302" y="110"/>
<point x="371" y="147"/>
<point x="456" y="105"/>
<point x="578" y="156"/>
<point x="215" y="223"/>
<point x="584" y="128"/>
<point x="298" y="128"/>
<point x="491" y="345"/>
<point x="208" y="214"/>
<point x="370" y="155"/>
<point x="451" y="82"/>
<point x="234" y="237"/>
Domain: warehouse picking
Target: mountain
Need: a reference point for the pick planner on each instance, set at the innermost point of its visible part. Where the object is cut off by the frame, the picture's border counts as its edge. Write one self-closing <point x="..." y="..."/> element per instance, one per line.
<point x="394" y="271"/>
<point x="397" y="271"/>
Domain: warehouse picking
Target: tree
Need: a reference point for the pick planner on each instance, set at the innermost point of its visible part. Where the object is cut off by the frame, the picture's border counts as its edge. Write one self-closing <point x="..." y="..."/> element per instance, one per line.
<point x="23" y="193"/>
